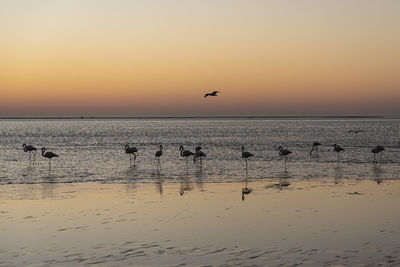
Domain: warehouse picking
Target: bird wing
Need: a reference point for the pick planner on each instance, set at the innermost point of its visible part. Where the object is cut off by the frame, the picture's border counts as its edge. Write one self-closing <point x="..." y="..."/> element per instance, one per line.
<point x="206" y="95"/>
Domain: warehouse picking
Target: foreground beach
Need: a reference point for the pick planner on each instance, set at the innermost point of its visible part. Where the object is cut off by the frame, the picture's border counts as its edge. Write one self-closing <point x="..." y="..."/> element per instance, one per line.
<point x="310" y="223"/>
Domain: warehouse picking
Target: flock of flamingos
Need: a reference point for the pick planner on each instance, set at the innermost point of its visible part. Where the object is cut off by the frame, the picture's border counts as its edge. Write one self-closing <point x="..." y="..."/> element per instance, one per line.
<point x="198" y="154"/>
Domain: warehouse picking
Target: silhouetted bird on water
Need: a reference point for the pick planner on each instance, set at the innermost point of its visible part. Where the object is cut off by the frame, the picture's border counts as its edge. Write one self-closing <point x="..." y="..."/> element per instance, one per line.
<point x="284" y="152"/>
<point x="186" y="154"/>
<point x="354" y="131"/>
<point x="159" y="153"/>
<point x="48" y="155"/>
<point x="30" y="149"/>
<point x="131" y="151"/>
<point x="337" y="149"/>
<point x="245" y="156"/>
<point x="212" y="94"/>
<point x="315" y="147"/>
<point x="199" y="154"/>
<point x="377" y="150"/>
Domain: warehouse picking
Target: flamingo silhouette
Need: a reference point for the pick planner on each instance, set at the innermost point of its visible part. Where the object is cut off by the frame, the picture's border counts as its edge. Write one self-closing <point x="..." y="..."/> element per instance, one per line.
<point x="315" y="147"/>
<point x="131" y="151"/>
<point x="377" y="150"/>
<point x="284" y="152"/>
<point x="30" y="149"/>
<point x="186" y="154"/>
<point x="337" y="149"/>
<point x="48" y="155"/>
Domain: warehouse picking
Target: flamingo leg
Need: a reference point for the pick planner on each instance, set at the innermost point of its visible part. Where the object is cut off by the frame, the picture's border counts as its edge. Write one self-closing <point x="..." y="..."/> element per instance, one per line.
<point x="285" y="162"/>
<point x="246" y="167"/>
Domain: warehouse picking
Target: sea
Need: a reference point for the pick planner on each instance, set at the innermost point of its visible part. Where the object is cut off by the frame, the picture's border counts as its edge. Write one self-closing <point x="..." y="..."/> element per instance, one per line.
<point x="93" y="149"/>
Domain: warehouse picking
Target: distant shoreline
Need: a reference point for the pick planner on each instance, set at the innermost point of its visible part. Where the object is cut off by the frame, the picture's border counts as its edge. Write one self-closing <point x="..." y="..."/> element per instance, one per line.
<point x="194" y="117"/>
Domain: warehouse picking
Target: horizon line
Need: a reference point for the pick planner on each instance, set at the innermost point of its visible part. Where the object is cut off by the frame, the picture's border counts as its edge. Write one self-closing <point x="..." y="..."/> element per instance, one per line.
<point x="202" y="117"/>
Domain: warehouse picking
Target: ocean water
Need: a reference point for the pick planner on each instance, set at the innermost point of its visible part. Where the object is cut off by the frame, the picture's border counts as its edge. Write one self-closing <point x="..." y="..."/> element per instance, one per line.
<point x="92" y="150"/>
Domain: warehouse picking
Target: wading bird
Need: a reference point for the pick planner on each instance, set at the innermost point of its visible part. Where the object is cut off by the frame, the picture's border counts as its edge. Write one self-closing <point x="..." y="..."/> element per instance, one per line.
<point x="337" y="149"/>
<point x="377" y="150"/>
<point x="159" y="153"/>
<point x="199" y="154"/>
<point x="131" y="151"/>
<point x="30" y="149"/>
<point x="284" y="152"/>
<point x="245" y="156"/>
<point x="212" y="94"/>
<point x="48" y="155"/>
<point x="186" y="154"/>
<point x="315" y="147"/>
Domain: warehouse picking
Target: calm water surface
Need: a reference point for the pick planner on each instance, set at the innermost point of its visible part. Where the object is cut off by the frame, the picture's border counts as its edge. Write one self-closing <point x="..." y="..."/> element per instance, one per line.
<point x="93" y="150"/>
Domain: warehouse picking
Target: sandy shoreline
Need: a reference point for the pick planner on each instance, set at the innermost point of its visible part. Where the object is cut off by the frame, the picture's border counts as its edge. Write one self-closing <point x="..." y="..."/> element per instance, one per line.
<point x="308" y="223"/>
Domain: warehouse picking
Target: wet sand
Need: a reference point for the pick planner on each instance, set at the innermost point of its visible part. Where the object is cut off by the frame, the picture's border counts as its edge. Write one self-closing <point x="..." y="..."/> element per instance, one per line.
<point x="306" y="223"/>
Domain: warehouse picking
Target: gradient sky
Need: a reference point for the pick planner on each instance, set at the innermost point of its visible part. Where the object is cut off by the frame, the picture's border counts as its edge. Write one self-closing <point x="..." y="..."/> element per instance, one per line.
<point x="158" y="58"/>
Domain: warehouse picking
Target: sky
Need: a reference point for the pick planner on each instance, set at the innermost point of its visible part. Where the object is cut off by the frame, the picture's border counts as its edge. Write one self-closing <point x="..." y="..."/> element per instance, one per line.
<point x="158" y="58"/>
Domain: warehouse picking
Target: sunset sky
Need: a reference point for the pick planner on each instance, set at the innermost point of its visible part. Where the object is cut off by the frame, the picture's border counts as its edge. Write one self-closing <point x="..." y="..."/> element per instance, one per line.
<point x="158" y="58"/>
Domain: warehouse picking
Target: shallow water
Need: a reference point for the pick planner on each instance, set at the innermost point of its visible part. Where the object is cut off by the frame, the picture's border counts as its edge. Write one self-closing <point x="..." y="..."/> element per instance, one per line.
<point x="305" y="223"/>
<point x="93" y="150"/>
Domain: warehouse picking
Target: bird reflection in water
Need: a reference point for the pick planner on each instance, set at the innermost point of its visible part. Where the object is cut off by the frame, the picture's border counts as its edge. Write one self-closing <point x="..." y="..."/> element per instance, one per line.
<point x="338" y="174"/>
<point x="185" y="185"/>
<point x="377" y="170"/>
<point x="159" y="183"/>
<point x="246" y="190"/>
<point x="48" y="186"/>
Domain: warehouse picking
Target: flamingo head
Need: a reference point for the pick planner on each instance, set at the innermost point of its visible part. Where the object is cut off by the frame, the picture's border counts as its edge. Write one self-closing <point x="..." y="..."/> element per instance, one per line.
<point x="43" y="149"/>
<point x="23" y="145"/>
<point x="161" y="147"/>
<point x="279" y="148"/>
<point x="126" y="146"/>
<point x="181" y="148"/>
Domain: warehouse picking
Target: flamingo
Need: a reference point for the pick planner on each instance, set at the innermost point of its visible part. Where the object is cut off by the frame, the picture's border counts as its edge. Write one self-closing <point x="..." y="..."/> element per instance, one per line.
<point x="131" y="151"/>
<point x="337" y="149"/>
<point x="284" y="152"/>
<point x="212" y="94"/>
<point x="199" y="154"/>
<point x="30" y="149"/>
<point x="315" y="147"/>
<point x="48" y="155"/>
<point x="159" y="153"/>
<point x="377" y="150"/>
<point x="245" y="156"/>
<point x="186" y="154"/>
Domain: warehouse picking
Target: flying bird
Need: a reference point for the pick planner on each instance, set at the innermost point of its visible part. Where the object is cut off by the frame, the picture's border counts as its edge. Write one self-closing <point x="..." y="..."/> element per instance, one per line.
<point x="212" y="94"/>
